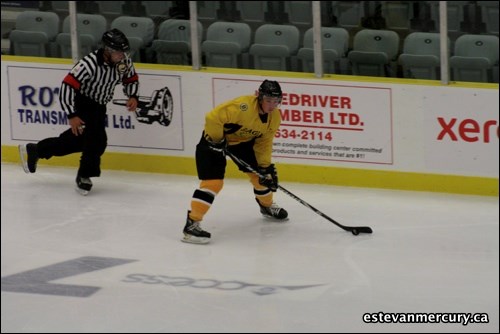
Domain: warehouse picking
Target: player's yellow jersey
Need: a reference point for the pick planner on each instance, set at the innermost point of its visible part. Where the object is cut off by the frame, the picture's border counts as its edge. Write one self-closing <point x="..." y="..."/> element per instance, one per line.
<point x="238" y="121"/>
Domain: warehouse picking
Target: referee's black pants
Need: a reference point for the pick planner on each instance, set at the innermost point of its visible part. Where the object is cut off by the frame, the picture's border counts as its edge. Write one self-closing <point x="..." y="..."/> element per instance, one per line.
<point x="92" y="142"/>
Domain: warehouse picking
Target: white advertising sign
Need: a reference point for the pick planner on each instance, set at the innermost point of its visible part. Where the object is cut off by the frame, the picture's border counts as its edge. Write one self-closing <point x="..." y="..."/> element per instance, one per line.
<point x="36" y="112"/>
<point x="326" y="122"/>
<point x="445" y="130"/>
<point x="462" y="133"/>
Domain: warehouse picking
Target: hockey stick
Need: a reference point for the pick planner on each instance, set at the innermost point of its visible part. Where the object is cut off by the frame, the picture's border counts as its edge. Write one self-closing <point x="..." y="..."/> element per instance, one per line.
<point x="354" y="230"/>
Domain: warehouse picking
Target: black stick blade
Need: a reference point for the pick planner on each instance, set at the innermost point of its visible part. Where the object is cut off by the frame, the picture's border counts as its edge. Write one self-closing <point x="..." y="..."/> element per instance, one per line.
<point x="360" y="229"/>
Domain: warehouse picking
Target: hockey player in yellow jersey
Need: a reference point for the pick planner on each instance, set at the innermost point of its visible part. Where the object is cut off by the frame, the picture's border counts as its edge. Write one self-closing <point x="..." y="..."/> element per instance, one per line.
<point x="245" y="126"/>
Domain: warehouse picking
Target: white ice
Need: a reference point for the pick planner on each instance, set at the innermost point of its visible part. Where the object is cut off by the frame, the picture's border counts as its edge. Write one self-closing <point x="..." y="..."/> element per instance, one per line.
<point x="429" y="253"/>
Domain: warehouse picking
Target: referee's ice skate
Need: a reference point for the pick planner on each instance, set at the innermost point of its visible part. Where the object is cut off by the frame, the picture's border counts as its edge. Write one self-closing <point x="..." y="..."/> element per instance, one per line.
<point x="29" y="157"/>
<point x="83" y="185"/>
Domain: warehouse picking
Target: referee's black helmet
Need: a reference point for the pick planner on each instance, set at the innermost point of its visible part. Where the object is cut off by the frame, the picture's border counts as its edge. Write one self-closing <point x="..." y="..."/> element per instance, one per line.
<point x="116" y="40"/>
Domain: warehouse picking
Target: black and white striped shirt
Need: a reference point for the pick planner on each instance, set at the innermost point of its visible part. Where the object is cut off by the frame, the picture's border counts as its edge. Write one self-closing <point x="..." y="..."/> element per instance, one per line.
<point x="95" y="79"/>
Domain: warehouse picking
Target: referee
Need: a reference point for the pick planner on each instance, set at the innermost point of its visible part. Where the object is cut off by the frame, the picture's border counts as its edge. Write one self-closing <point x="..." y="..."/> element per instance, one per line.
<point x="84" y="93"/>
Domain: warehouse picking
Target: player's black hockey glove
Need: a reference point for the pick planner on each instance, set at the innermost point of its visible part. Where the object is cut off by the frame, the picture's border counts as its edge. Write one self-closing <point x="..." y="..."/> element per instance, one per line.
<point x="269" y="177"/>
<point x="219" y="147"/>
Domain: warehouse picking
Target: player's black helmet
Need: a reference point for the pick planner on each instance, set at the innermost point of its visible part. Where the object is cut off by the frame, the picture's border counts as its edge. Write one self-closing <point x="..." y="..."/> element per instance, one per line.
<point x="271" y="89"/>
<point x="116" y="40"/>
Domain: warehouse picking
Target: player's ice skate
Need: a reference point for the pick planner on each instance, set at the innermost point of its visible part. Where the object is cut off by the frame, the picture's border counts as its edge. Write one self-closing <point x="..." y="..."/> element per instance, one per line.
<point x="274" y="212"/>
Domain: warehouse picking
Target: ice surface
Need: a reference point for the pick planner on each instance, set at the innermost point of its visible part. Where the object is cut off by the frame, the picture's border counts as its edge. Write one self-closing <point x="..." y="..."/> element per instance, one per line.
<point x="113" y="261"/>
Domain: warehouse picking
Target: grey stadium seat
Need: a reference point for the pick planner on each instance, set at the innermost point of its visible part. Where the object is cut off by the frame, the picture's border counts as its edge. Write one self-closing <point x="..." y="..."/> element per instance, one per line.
<point x="110" y="9"/>
<point x="489" y="10"/>
<point x="34" y="33"/>
<point x="252" y="12"/>
<point x="225" y="44"/>
<point x="335" y="43"/>
<point x="421" y="55"/>
<point x="474" y="58"/>
<point x="373" y="52"/>
<point x="173" y="45"/>
<point x="274" y="46"/>
<point x="91" y="27"/>
<point x="348" y="13"/>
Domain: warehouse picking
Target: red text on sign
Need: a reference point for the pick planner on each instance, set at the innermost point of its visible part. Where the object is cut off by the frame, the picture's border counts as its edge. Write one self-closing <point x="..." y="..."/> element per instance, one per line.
<point x="468" y="130"/>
